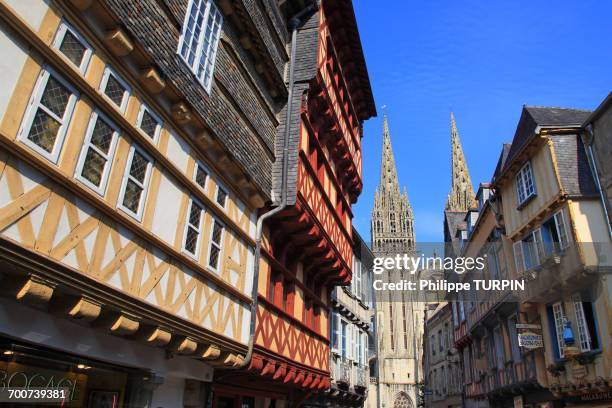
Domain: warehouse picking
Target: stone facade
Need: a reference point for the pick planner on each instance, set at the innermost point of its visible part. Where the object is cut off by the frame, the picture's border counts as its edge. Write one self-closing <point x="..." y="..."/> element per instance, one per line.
<point x="399" y="317"/>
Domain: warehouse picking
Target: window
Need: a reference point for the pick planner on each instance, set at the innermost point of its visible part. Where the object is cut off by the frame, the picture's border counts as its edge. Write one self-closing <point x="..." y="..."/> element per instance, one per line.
<point x="193" y="230"/>
<point x="525" y="185"/>
<point x="585" y="324"/>
<point x="200" y="38"/>
<point x="135" y="182"/>
<point x="221" y="196"/>
<point x="115" y="89"/>
<point x="357" y="277"/>
<point x="556" y="316"/>
<point x="200" y="175"/>
<point x="440" y="341"/>
<point x="344" y="339"/>
<point x="73" y="46"/>
<point x="433" y="345"/>
<point x="513" y="334"/>
<point x="48" y="115"/>
<point x="287" y="305"/>
<point x="275" y="277"/>
<point x="335" y="331"/>
<point x="149" y="123"/>
<point x="96" y="156"/>
<point x="214" y="251"/>
<point x="526" y="253"/>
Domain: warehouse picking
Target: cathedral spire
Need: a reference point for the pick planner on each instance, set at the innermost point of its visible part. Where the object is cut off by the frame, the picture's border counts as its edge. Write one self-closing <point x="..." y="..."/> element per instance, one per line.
<point x="388" y="172"/>
<point x="392" y="218"/>
<point x="461" y="196"/>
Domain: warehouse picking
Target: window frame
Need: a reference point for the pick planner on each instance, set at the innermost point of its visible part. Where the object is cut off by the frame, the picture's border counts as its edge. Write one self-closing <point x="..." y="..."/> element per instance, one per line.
<point x="160" y="124"/>
<point x="108" y="71"/>
<point x="200" y="164"/>
<point x="33" y="105"/>
<point x="93" y="120"/>
<point x="200" y="229"/>
<point x="522" y="194"/>
<point x="199" y="42"/>
<point x="216" y="269"/>
<point x="145" y="185"/>
<point x="558" y="328"/>
<point x="60" y="34"/>
<point x="221" y="187"/>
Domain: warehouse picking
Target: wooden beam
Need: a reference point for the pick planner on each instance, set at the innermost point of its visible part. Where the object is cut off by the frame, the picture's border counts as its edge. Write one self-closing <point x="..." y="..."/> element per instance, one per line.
<point x="210" y="352"/>
<point x="85" y="310"/>
<point x="35" y="291"/>
<point x="118" y="42"/>
<point x="123" y="325"/>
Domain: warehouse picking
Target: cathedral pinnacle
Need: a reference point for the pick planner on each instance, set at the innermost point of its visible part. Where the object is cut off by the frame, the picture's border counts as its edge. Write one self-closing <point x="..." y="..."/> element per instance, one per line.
<point x="392" y="218"/>
<point x="461" y="196"/>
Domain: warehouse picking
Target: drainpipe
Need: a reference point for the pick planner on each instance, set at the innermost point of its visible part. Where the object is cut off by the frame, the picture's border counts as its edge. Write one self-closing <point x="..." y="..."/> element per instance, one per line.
<point x="589" y="148"/>
<point x="294" y="23"/>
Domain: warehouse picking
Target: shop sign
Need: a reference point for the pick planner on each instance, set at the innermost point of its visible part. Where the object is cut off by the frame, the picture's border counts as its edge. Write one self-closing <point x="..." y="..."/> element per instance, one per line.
<point x="530" y="340"/>
<point x="528" y="326"/>
<point x="597" y="396"/>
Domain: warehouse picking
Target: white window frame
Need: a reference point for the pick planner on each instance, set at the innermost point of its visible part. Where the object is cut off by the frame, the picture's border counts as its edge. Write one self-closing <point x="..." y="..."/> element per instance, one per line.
<point x="199" y="163"/>
<point x="64" y="27"/>
<point x="160" y="123"/>
<point x="145" y="185"/>
<point x="558" y="316"/>
<point x="226" y="191"/>
<point x="561" y="229"/>
<point x="108" y="71"/>
<point x="199" y="228"/>
<point x="219" y="246"/>
<point x="584" y="337"/>
<point x="213" y="46"/>
<point x="95" y="116"/>
<point x="523" y="178"/>
<point x="35" y="102"/>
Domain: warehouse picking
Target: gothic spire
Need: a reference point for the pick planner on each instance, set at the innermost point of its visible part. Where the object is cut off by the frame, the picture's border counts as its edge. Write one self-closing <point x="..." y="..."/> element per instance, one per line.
<point x="388" y="172"/>
<point x="461" y="196"/>
<point x="392" y="218"/>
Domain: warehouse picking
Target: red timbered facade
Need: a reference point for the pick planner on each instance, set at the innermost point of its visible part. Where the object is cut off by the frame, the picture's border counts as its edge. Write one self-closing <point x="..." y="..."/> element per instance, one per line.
<point x="307" y="248"/>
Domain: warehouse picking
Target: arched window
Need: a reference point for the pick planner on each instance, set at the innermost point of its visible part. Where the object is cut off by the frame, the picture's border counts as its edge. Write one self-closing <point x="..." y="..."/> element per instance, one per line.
<point x="402" y="400"/>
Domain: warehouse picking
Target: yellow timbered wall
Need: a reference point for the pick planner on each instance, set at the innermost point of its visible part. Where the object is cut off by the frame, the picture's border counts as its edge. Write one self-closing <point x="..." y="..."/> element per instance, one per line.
<point x="46" y="209"/>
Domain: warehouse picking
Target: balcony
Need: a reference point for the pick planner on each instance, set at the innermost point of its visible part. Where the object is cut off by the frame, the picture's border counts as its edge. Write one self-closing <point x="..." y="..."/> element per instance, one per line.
<point x="348" y="375"/>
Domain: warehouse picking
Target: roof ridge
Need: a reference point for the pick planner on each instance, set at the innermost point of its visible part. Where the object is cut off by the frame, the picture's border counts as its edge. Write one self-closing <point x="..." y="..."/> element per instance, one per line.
<point x="556" y="107"/>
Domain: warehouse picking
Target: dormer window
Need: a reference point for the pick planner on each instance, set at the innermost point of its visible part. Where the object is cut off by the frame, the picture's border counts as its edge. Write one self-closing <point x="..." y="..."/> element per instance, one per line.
<point x="200" y="38"/>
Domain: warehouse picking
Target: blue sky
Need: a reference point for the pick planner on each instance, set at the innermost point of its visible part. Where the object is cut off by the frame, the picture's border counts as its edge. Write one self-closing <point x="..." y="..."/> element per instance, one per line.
<point x="483" y="60"/>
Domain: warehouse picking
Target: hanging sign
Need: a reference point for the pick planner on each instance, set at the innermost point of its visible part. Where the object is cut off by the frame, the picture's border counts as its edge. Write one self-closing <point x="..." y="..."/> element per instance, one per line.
<point x="530" y="340"/>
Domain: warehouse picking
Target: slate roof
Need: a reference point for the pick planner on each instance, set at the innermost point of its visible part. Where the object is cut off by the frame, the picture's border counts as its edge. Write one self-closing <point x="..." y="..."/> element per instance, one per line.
<point x="574" y="170"/>
<point x="452" y="222"/>
<point x="503" y="156"/>
<point x="534" y="116"/>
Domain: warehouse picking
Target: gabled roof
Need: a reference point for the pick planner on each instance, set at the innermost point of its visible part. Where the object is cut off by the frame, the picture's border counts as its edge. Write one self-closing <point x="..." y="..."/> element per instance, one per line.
<point x="534" y="116"/>
<point x="503" y="156"/>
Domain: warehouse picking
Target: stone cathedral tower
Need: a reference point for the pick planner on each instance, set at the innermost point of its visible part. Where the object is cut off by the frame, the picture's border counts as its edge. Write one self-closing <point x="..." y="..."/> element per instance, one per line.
<point x="461" y="196"/>
<point x="399" y="317"/>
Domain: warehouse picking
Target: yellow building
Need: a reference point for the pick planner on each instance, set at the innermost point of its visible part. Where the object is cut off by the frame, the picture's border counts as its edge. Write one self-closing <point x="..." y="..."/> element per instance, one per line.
<point x="553" y="216"/>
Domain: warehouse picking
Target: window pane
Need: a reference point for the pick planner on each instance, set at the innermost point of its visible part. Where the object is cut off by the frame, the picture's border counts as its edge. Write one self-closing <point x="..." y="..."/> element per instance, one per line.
<point x="114" y="90"/>
<point x="44" y="130"/>
<point x="201" y="176"/>
<point x="55" y="97"/>
<point x="221" y="197"/>
<point x="131" y="198"/>
<point x="194" y="215"/>
<point x="216" y="236"/>
<point x="148" y="124"/>
<point x="138" y="168"/>
<point x="72" y="48"/>
<point x="213" y="259"/>
<point x="93" y="167"/>
<point x="102" y="136"/>
<point x="191" y="240"/>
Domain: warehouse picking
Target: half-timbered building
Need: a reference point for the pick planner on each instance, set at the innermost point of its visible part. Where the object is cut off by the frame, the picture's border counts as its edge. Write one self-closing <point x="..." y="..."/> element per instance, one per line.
<point x="307" y="246"/>
<point x="136" y="147"/>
